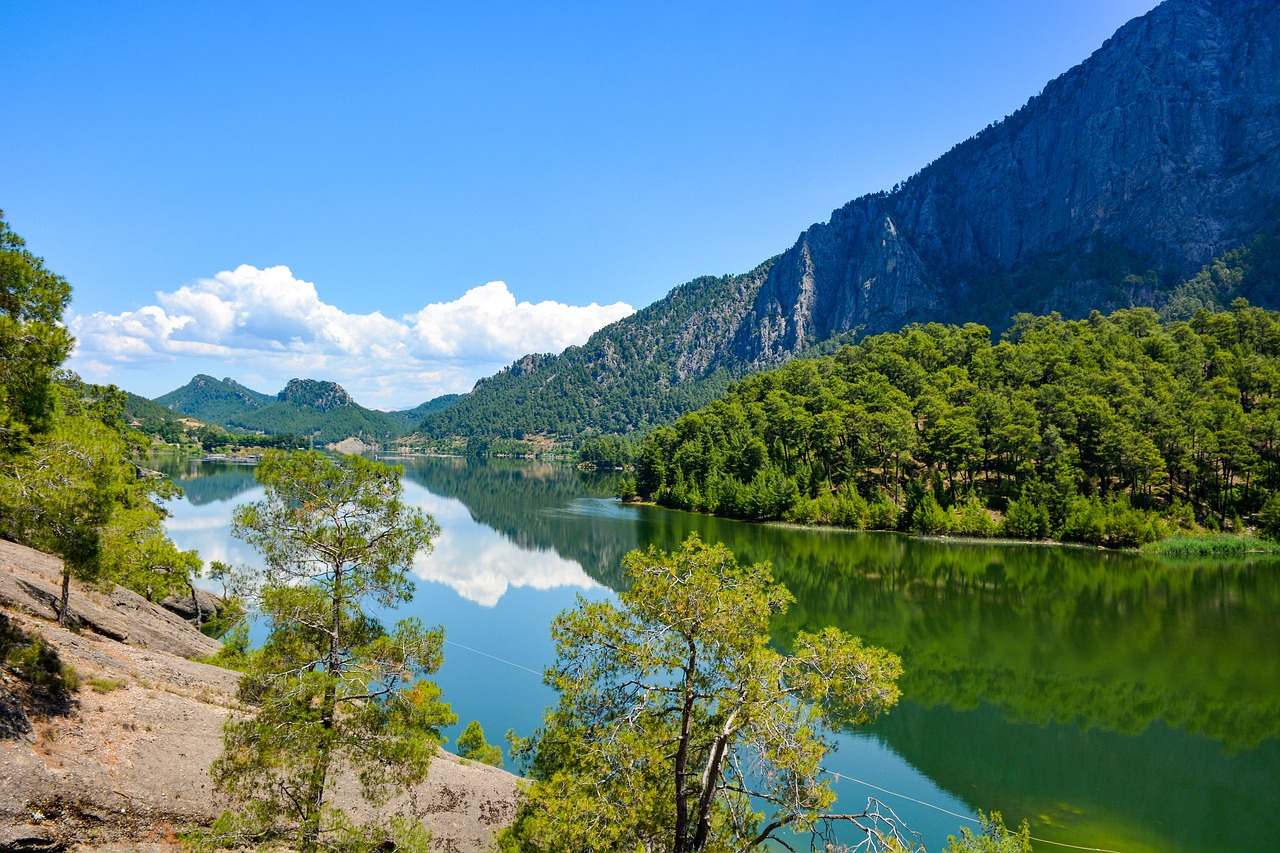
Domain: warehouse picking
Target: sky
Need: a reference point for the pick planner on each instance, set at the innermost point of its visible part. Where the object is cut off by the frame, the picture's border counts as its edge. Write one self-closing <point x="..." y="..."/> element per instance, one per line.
<point x="405" y="197"/>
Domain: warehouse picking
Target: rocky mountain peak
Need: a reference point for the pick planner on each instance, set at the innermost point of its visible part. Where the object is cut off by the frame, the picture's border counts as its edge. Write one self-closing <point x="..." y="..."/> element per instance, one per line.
<point x="316" y="394"/>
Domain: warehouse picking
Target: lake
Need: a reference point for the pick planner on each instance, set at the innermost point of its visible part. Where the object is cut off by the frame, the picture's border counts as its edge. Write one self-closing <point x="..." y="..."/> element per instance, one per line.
<point x="1117" y="702"/>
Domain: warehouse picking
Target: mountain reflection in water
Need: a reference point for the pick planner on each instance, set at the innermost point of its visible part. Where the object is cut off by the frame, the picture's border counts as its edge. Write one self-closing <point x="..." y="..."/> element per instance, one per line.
<point x="1115" y="701"/>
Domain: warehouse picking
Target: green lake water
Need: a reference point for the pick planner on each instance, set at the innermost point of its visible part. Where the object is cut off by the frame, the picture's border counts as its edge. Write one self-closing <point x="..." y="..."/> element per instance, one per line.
<point x="1114" y="701"/>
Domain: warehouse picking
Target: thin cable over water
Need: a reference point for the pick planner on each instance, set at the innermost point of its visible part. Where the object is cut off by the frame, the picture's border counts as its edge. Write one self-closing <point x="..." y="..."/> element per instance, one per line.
<point x="836" y="776"/>
<point x="839" y="776"/>
<point x="495" y="657"/>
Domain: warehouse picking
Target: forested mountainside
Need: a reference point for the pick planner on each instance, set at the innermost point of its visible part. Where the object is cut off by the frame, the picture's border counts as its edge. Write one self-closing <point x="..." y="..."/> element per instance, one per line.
<point x="1106" y="430"/>
<point x="1123" y="177"/>
<point x="214" y="401"/>
<point x="673" y="356"/>
<point x="306" y="407"/>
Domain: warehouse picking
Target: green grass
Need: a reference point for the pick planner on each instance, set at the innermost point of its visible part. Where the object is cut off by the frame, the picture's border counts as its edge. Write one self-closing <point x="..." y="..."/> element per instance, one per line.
<point x="106" y="685"/>
<point x="1211" y="545"/>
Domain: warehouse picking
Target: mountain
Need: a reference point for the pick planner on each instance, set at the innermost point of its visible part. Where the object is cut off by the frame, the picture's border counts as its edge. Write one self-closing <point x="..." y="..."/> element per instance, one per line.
<point x="306" y="407"/>
<point x="660" y="362"/>
<point x="408" y="419"/>
<point x="1125" y="176"/>
<point x="212" y="401"/>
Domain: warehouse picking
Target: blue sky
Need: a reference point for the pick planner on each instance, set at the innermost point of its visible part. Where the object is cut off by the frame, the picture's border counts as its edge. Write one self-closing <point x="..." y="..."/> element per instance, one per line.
<point x="403" y="197"/>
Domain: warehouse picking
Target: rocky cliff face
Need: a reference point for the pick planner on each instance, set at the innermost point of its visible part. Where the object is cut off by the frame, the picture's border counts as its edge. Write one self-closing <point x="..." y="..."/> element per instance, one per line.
<point x="1124" y="176"/>
<point x="315" y="393"/>
<point x="1158" y="152"/>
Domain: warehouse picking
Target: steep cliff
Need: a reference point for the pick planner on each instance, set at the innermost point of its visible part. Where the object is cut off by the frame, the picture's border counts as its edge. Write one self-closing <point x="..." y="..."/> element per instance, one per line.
<point x="1155" y="154"/>
<point x="1122" y="178"/>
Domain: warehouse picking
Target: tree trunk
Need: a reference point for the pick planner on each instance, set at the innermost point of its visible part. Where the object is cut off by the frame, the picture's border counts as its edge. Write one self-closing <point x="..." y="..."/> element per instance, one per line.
<point x="64" y="612"/>
<point x="195" y="602"/>
<point x="708" y="791"/>
<point x="680" y="843"/>
<point x="313" y="801"/>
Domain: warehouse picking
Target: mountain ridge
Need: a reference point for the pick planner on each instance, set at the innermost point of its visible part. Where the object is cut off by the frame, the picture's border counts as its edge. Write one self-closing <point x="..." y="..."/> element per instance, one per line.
<point x="1123" y="177"/>
<point x="305" y="407"/>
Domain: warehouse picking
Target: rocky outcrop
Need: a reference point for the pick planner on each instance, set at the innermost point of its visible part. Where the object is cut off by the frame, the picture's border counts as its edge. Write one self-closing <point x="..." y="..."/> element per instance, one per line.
<point x="1157" y="153"/>
<point x="315" y="393"/>
<point x="32" y="582"/>
<point x="1124" y="176"/>
<point x="125" y="760"/>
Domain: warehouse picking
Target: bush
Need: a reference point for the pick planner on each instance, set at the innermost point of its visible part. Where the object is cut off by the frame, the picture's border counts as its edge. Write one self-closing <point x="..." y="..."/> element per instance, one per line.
<point x="973" y="519"/>
<point x="1025" y="519"/>
<point x="1113" y="524"/>
<point x="929" y="516"/>
<point x="627" y="490"/>
<point x="882" y="513"/>
<point x="34" y="661"/>
<point x="472" y="746"/>
<point x="1269" y="518"/>
<point x="992" y="837"/>
<point x="843" y="508"/>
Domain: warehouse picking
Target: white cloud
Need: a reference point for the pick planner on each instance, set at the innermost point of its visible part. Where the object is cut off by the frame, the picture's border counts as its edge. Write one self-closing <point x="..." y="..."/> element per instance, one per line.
<point x="266" y="325"/>
<point x="481" y="565"/>
<point x="484" y="571"/>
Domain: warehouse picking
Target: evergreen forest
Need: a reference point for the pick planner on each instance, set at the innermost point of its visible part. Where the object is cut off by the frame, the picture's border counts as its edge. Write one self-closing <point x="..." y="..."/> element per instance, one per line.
<point x="1112" y="430"/>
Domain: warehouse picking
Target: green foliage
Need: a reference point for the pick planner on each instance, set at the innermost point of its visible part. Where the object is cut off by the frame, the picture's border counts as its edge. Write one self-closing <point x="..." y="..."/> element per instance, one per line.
<point x="306" y="408"/>
<point x="627" y="489"/>
<point x="214" y="401"/>
<point x="973" y="519"/>
<point x="628" y="377"/>
<point x="992" y="838"/>
<point x="1110" y="430"/>
<point x="238" y="831"/>
<point x="332" y="687"/>
<point x="33" y="660"/>
<point x="1214" y="545"/>
<point x="929" y="517"/>
<point x="32" y="340"/>
<point x="153" y="419"/>
<point x="1113" y="523"/>
<point x="69" y="486"/>
<point x="473" y="746"/>
<point x="1269" y="518"/>
<point x="106" y="685"/>
<point x="325" y="425"/>
<point x="1025" y="519"/>
<point x="674" y="710"/>
<point x="606" y="451"/>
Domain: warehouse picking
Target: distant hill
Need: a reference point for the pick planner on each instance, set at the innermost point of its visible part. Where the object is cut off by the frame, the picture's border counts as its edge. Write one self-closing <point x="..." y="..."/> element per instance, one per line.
<point x="306" y="407"/>
<point x="1124" y="177"/>
<point x="148" y="412"/>
<point x="668" y="358"/>
<point x="212" y="400"/>
<point x="409" y="419"/>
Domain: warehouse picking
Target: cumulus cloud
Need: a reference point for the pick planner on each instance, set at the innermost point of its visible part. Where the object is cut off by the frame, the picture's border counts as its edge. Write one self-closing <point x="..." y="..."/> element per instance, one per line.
<point x="481" y="565"/>
<point x="275" y="326"/>
<point x="485" y="571"/>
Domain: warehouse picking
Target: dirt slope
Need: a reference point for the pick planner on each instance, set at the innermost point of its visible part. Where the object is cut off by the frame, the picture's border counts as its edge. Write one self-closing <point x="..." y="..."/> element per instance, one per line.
<point x="125" y="761"/>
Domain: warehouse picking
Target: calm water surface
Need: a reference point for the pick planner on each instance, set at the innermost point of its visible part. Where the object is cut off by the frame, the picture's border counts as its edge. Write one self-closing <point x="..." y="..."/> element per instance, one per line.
<point x="1114" y="701"/>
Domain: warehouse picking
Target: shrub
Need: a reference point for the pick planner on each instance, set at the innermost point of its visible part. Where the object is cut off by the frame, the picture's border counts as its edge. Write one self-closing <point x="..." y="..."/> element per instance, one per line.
<point x="973" y="519"/>
<point x="472" y="746"/>
<point x="1025" y="519"/>
<point x="882" y="513"/>
<point x="34" y="661"/>
<point x="1269" y="518"/>
<point x="929" y="516"/>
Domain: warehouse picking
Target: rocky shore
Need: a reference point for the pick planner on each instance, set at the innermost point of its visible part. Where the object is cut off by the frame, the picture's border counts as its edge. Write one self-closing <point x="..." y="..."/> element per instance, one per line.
<point x="121" y="763"/>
